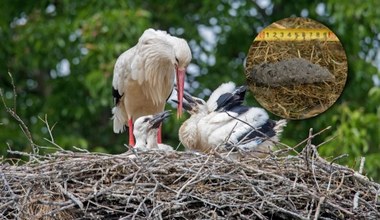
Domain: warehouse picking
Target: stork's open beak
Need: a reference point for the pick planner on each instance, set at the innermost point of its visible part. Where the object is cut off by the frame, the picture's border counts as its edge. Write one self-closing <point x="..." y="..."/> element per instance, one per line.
<point x="158" y="118"/>
<point x="188" y="103"/>
<point x="180" y="88"/>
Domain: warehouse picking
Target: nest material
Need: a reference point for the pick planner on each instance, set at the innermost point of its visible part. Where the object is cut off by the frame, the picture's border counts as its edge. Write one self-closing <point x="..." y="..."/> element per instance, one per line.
<point x="298" y="101"/>
<point x="184" y="185"/>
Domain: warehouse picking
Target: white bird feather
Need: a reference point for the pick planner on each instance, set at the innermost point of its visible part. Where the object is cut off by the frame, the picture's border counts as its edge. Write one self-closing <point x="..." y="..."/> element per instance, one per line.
<point x="144" y="76"/>
<point x="145" y="131"/>
<point x="228" y="87"/>
<point x="242" y="128"/>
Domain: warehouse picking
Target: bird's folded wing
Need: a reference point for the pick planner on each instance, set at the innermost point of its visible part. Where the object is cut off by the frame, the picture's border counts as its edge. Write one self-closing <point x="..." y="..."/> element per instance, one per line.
<point x="220" y="96"/>
<point x="123" y="70"/>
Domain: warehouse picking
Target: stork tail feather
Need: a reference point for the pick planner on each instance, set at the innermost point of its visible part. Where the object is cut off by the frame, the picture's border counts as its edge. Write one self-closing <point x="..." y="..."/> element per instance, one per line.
<point x="118" y="120"/>
<point x="279" y="127"/>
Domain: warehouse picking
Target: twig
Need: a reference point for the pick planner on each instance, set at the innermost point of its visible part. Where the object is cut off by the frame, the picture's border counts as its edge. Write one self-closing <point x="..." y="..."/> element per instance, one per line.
<point x="7" y="186"/>
<point x="192" y="179"/>
<point x="362" y="161"/>
<point x="338" y="158"/>
<point x="306" y="150"/>
<point x="356" y="200"/>
<point x="311" y="208"/>
<point x="50" y="129"/>
<point x="318" y="210"/>
<point x="326" y="141"/>
<point x="293" y="214"/>
<point x="14" y="92"/>
<point x="70" y="195"/>
<point x="13" y="113"/>
<point x="80" y="149"/>
<point x="55" y="145"/>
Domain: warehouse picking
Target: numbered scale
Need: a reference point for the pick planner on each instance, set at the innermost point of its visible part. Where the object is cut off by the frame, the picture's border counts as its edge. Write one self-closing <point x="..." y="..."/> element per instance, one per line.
<point x="296" y="34"/>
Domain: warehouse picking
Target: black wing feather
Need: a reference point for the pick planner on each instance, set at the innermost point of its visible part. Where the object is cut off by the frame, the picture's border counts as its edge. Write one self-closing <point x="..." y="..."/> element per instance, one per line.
<point x="265" y="131"/>
<point x="229" y="101"/>
<point x="240" y="109"/>
<point x="116" y="96"/>
<point x="223" y="101"/>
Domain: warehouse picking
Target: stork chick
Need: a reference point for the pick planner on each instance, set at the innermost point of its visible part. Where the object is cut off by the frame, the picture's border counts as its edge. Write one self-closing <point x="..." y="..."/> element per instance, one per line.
<point x="146" y="129"/>
<point x="143" y="78"/>
<point x="224" y="124"/>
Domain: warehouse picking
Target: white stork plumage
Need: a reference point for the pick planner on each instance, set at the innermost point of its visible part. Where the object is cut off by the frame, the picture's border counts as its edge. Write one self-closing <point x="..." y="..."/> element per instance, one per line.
<point x="224" y="124"/>
<point x="146" y="131"/>
<point x="225" y="97"/>
<point x="144" y="75"/>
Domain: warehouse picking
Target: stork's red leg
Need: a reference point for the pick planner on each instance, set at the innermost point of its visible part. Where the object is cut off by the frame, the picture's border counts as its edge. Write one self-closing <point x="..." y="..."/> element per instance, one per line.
<point x="130" y="129"/>
<point x="159" y="138"/>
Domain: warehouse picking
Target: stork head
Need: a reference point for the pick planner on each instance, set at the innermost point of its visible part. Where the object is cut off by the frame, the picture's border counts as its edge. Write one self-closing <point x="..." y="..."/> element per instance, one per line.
<point x="149" y="122"/>
<point x="175" y="49"/>
<point x="145" y="124"/>
<point x="193" y="105"/>
<point x="182" y="60"/>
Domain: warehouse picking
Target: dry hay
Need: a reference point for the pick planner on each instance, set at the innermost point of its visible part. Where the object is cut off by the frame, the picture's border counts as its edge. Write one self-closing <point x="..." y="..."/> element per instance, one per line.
<point x="184" y="185"/>
<point x="300" y="100"/>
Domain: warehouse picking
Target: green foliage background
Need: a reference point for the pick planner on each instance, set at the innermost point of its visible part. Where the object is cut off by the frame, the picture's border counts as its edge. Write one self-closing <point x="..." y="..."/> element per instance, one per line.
<point x="39" y="38"/>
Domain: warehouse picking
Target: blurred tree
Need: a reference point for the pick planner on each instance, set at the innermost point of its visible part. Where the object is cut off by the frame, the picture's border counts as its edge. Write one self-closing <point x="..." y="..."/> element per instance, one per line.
<point x="61" y="55"/>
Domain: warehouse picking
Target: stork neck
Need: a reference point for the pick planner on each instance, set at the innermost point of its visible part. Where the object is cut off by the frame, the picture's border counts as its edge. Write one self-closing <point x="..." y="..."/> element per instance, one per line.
<point x="140" y="141"/>
<point x="152" y="139"/>
<point x="159" y="81"/>
<point x="200" y="114"/>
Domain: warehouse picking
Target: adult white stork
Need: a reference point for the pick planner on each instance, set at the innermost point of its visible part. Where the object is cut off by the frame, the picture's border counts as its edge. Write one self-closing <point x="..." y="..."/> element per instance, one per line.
<point x="146" y="131"/>
<point x="224" y="124"/>
<point x="143" y="78"/>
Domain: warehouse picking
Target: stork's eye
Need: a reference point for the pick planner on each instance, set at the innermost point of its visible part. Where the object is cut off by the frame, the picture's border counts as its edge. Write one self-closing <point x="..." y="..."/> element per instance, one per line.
<point x="146" y="119"/>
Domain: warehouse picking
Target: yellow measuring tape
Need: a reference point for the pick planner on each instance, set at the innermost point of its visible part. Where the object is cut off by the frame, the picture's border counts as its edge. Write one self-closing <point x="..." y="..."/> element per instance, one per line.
<point x="296" y="34"/>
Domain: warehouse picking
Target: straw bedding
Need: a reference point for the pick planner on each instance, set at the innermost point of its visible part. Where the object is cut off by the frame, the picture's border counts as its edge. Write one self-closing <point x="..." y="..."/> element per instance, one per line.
<point x="298" y="100"/>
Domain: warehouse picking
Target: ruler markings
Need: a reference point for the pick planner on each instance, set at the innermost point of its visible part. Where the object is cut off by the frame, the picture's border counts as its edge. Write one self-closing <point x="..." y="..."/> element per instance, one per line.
<point x="297" y="34"/>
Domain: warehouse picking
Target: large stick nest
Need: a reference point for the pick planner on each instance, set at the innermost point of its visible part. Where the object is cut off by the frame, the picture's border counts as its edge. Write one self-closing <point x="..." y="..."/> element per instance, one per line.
<point x="184" y="185"/>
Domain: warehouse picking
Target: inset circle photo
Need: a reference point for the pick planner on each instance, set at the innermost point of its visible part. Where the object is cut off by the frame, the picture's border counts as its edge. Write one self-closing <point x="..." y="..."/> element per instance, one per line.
<point x="296" y="68"/>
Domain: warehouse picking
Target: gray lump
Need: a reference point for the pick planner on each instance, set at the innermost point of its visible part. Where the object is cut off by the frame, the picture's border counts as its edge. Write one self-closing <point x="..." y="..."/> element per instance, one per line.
<point x="292" y="71"/>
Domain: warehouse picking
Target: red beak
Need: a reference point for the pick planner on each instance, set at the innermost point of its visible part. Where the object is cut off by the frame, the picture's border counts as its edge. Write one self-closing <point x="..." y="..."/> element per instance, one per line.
<point x="180" y="85"/>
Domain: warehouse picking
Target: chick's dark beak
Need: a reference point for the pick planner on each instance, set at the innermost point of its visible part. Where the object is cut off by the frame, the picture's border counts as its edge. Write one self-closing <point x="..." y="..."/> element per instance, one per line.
<point x="185" y="105"/>
<point x="188" y="102"/>
<point x="158" y="118"/>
